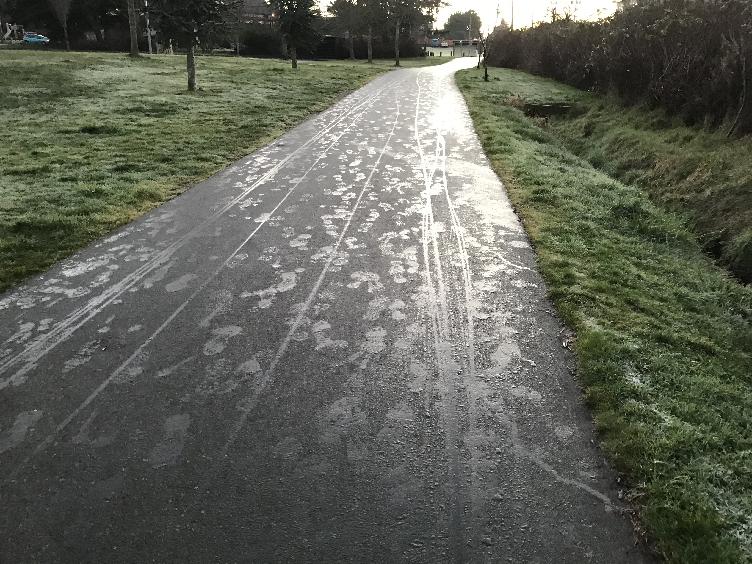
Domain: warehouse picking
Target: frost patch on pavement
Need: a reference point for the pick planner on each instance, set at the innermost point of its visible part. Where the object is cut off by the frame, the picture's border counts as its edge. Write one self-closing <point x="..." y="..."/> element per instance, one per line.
<point x="181" y="283"/>
<point x="371" y="279"/>
<point x="267" y="295"/>
<point x="220" y="339"/>
<point x="324" y="341"/>
<point x="21" y="426"/>
<point x="167" y="452"/>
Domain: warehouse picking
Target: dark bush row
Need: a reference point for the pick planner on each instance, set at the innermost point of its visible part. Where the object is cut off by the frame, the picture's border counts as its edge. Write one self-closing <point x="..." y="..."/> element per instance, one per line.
<point x="266" y="41"/>
<point x="691" y="57"/>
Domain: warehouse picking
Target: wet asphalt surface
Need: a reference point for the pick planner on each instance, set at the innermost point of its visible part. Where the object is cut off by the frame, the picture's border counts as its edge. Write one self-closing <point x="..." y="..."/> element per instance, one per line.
<point x="337" y="349"/>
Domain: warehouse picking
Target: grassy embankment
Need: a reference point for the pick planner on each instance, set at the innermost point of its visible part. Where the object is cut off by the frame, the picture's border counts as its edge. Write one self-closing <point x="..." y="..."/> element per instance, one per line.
<point x="664" y="335"/>
<point x="702" y="175"/>
<point x="91" y="141"/>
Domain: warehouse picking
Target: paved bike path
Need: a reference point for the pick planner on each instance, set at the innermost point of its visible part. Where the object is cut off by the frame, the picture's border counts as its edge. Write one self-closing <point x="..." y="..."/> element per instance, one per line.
<point x="337" y="349"/>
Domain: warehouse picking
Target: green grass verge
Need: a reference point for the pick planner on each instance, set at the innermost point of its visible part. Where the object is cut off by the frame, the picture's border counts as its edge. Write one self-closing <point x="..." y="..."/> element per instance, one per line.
<point x="91" y="141"/>
<point x="701" y="174"/>
<point x="704" y="175"/>
<point x="664" y="339"/>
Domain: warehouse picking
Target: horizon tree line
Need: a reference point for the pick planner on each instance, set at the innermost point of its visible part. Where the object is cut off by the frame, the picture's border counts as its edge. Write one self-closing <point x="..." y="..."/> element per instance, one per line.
<point x="196" y="22"/>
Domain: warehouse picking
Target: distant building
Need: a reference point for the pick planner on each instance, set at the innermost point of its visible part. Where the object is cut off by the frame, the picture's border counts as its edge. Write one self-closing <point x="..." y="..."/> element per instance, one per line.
<point x="257" y="12"/>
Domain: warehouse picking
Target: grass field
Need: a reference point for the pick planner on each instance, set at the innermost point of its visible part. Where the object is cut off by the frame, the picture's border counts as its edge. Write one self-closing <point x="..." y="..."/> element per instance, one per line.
<point x="664" y="335"/>
<point x="91" y="141"/>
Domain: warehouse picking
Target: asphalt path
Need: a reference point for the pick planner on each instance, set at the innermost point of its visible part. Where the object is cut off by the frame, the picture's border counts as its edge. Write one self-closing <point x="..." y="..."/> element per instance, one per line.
<point x="337" y="349"/>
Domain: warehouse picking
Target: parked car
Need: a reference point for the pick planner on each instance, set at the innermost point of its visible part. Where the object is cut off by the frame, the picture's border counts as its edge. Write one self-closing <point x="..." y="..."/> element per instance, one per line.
<point x="445" y="44"/>
<point x="32" y="38"/>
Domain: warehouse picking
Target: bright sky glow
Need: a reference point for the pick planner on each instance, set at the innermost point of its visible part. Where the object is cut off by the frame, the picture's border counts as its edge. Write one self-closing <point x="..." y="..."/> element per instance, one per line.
<point x="525" y="11"/>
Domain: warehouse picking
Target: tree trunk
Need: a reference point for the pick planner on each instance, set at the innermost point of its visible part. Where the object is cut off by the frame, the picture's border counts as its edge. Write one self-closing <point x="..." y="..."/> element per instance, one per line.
<point x="65" y="33"/>
<point x="238" y="29"/>
<point x="285" y="49"/>
<point x="396" y="42"/>
<point x="133" y="24"/>
<point x="352" y="46"/>
<point x="294" y="56"/>
<point x="370" y="45"/>
<point x="191" y="66"/>
<point x="60" y="8"/>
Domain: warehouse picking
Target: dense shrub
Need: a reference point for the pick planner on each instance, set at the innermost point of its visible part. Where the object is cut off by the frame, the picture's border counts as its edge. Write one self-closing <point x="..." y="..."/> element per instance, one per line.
<point x="261" y="41"/>
<point x="266" y="41"/>
<point x="691" y="57"/>
<point x="383" y="48"/>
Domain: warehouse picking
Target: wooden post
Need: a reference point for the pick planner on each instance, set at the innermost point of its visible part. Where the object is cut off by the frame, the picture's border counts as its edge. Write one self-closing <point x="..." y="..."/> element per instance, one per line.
<point x="396" y="41"/>
<point x="191" y="66"/>
<point x="370" y="44"/>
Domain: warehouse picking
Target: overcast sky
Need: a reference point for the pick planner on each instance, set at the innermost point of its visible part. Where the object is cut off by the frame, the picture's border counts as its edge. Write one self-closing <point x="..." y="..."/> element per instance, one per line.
<point x="525" y="11"/>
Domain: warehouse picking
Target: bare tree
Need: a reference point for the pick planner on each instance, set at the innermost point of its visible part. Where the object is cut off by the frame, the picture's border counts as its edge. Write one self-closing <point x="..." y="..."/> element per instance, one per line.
<point x="193" y="21"/>
<point x="401" y="12"/>
<point x="371" y="13"/>
<point x="62" y="9"/>
<point x="483" y="54"/>
<point x="296" y="23"/>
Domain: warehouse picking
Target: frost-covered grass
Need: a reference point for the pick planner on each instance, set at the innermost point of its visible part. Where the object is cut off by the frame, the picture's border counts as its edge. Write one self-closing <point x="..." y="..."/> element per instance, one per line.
<point x="91" y="141"/>
<point x="664" y="336"/>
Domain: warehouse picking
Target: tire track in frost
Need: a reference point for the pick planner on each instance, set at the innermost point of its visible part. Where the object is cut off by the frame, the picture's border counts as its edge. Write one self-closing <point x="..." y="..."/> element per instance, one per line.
<point x="64" y="329"/>
<point x="517" y="443"/>
<point x="268" y="375"/>
<point x="459" y="233"/>
<point x="458" y="229"/>
<point x="139" y="351"/>
<point x="439" y="311"/>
